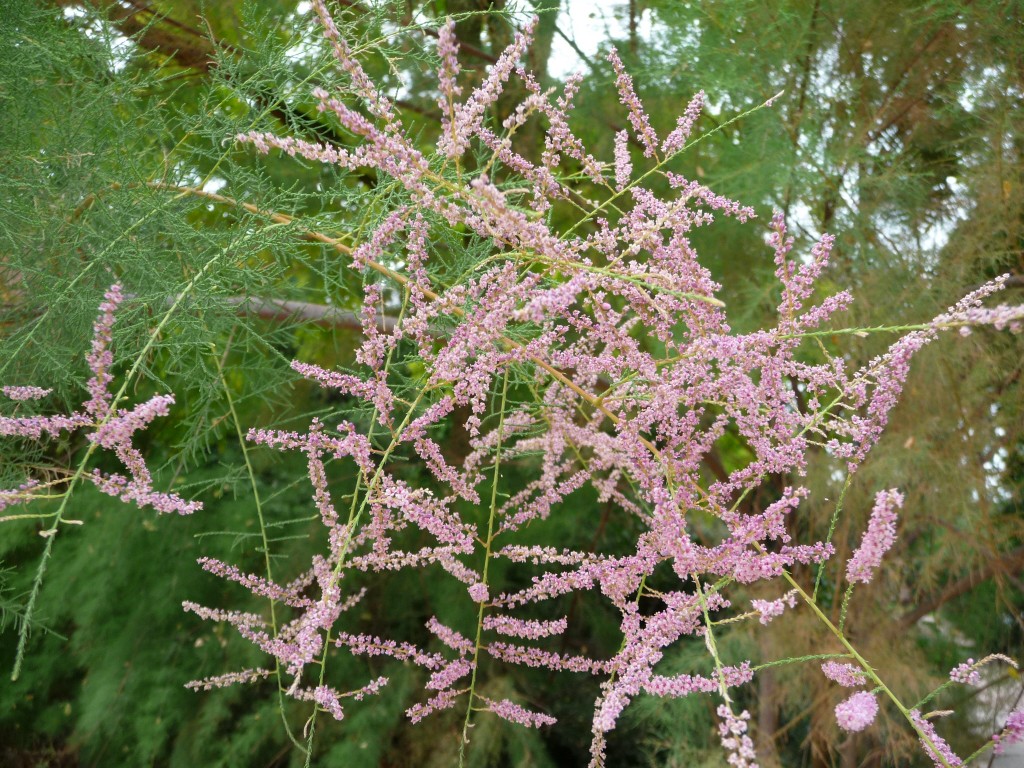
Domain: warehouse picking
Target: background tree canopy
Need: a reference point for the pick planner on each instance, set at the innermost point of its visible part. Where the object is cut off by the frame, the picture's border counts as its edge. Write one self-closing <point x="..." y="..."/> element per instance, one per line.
<point x="898" y="129"/>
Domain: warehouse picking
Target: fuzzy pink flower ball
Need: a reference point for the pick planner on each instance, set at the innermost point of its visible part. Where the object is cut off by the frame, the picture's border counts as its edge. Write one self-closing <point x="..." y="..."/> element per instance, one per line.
<point x="857" y="712"/>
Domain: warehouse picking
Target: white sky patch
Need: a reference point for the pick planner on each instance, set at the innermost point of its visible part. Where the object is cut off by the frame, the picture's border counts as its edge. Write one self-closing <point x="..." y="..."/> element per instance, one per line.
<point x="214" y="184"/>
<point x="588" y="24"/>
<point x="121" y="48"/>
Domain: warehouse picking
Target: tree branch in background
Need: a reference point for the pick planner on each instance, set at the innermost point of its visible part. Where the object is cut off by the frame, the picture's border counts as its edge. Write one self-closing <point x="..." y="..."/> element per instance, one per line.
<point x="1010" y="563"/>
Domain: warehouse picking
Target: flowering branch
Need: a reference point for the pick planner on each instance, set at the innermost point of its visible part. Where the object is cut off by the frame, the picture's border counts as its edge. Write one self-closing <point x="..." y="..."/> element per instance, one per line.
<point x="554" y="314"/>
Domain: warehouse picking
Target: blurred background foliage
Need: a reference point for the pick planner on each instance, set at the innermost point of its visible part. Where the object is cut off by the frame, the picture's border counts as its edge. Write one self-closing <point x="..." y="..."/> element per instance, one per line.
<point x="899" y="129"/>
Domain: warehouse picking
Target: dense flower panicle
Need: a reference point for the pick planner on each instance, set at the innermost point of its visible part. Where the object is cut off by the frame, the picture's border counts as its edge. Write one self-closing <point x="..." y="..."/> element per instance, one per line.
<point x="637" y="114"/>
<point x="468" y="116"/>
<point x="100" y="357"/>
<point x="447" y="75"/>
<point x="844" y="674"/>
<point x="1012" y="733"/>
<point x="117" y="430"/>
<point x="536" y="657"/>
<point x="479" y="593"/>
<point x="378" y="104"/>
<point x="560" y="139"/>
<point x="137" y="490"/>
<point x="934" y="745"/>
<point x="34" y="427"/>
<point x="565" y="315"/>
<point x="111" y="430"/>
<point x="25" y="393"/>
<point x="514" y="713"/>
<point x="733" y="731"/>
<point x="449" y="674"/>
<point x="684" y="125"/>
<point x="857" y="712"/>
<point x="448" y="636"/>
<point x="623" y="165"/>
<point x="623" y="377"/>
<point x="326" y="698"/>
<point x="878" y="539"/>
<point x="685" y="685"/>
<point x="255" y="584"/>
<point x="527" y="628"/>
<point x="444" y="700"/>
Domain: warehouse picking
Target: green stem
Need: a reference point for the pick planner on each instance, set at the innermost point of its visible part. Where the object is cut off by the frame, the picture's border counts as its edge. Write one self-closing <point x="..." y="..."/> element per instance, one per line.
<point x="868" y="669"/>
<point x="831" y="531"/>
<point x="353" y="521"/>
<point x="487" y="562"/>
<point x="263" y="529"/>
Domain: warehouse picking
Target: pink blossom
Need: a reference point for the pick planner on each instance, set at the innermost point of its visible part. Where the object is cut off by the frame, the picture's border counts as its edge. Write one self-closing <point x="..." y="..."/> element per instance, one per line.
<point x="1012" y="733"/>
<point x="478" y="592"/>
<point x="111" y="430"/>
<point x="573" y="317"/>
<point x="934" y="745"/>
<point x="878" y="539"/>
<point x="25" y="393"/>
<point x="770" y="609"/>
<point x="514" y="713"/>
<point x="857" y="712"/>
<point x="966" y="673"/>
<point x="684" y="125"/>
<point x="530" y="629"/>
<point x="623" y="165"/>
<point x="733" y="732"/>
<point x="844" y="674"/>
<point x="637" y="114"/>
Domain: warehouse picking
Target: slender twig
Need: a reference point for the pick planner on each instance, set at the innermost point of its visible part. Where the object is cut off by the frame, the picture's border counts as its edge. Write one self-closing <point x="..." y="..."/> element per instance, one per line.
<point x="487" y="562"/>
<point x="58" y="518"/>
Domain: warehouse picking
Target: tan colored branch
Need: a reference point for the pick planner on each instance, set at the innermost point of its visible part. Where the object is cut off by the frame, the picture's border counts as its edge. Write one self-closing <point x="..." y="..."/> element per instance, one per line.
<point x="189" y="49"/>
<point x="321" y="314"/>
<point x="1011" y="562"/>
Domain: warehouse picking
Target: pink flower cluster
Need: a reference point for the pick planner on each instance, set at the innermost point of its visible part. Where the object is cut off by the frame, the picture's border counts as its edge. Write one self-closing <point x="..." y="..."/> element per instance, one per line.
<point x="735" y="740"/>
<point x="562" y="312"/>
<point x="111" y="429"/>
<point x="878" y="539"/>
<point x="770" y="609"/>
<point x="969" y="673"/>
<point x="1012" y="733"/>
<point x="857" y="712"/>
<point x="25" y="393"/>
<point x="844" y="674"/>
<point x="966" y="673"/>
<point x="934" y="745"/>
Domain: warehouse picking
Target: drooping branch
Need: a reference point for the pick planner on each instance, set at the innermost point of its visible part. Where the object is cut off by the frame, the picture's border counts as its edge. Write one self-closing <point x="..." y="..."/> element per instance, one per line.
<point x="1010" y="563"/>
